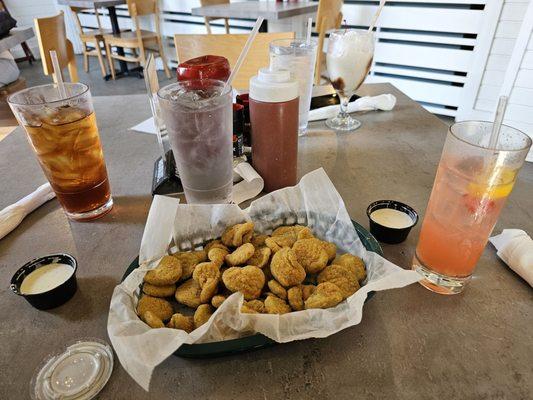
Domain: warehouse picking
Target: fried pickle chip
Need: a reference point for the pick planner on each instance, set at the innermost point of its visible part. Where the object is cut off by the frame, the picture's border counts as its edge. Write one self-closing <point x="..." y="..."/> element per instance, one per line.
<point x="253" y="307"/>
<point x="183" y="322"/>
<point x="277" y="289"/>
<point x="326" y="295"/>
<point x="188" y="293"/>
<point x="258" y="240"/>
<point x="286" y="269"/>
<point x="311" y="255"/>
<point x="341" y="276"/>
<point x="307" y="290"/>
<point x="275" y="305"/>
<point x="159" y="291"/>
<point x="240" y="255"/>
<point x="167" y="272"/>
<point x="189" y="260"/>
<point x="152" y="320"/>
<point x="202" y="315"/>
<point x="295" y="298"/>
<point x="236" y="235"/>
<point x="217" y="300"/>
<point x="207" y="275"/>
<point x="330" y="249"/>
<point x="272" y="245"/>
<point x="217" y="255"/>
<point x="161" y="308"/>
<point x="354" y="263"/>
<point x="260" y="258"/>
<point x="217" y="243"/>
<point x="248" y="280"/>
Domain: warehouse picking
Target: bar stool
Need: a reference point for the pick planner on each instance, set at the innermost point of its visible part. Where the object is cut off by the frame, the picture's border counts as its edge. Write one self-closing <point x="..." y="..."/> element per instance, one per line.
<point x="139" y="39"/>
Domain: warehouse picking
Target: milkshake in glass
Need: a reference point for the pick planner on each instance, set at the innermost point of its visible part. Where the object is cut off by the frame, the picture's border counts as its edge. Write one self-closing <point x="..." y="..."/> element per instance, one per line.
<point x="199" y="120"/>
<point x="298" y="56"/>
<point x="349" y="58"/>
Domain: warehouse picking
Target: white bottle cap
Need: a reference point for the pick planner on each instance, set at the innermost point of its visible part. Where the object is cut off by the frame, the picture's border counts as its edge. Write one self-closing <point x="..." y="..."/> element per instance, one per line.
<point x="273" y="86"/>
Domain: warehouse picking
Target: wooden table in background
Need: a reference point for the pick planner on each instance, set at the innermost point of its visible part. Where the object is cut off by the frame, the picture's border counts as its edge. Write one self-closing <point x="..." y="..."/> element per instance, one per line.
<point x="279" y="16"/>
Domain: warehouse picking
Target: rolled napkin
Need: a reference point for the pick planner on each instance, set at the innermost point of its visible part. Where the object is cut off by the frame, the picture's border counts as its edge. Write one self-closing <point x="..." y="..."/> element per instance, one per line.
<point x="250" y="186"/>
<point x="515" y="248"/>
<point x="12" y="216"/>
<point x="385" y="102"/>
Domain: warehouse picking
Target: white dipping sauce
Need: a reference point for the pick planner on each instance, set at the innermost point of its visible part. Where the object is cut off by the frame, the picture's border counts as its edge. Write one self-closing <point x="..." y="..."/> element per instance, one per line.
<point x="46" y="278"/>
<point x="391" y="218"/>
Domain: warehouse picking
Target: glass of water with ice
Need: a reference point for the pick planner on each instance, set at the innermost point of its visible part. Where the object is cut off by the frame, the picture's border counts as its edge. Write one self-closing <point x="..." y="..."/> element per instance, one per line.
<point x="199" y="119"/>
<point x="298" y="56"/>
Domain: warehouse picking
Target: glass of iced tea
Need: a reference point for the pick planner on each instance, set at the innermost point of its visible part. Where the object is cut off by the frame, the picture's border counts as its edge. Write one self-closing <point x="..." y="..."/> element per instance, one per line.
<point x="64" y="135"/>
<point x="472" y="184"/>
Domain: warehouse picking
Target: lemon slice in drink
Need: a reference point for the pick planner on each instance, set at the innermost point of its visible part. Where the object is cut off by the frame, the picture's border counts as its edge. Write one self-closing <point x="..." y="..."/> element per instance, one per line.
<point x="500" y="188"/>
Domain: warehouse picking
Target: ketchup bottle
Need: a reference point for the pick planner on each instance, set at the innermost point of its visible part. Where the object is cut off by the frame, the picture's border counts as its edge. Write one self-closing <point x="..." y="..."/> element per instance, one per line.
<point x="274" y="120"/>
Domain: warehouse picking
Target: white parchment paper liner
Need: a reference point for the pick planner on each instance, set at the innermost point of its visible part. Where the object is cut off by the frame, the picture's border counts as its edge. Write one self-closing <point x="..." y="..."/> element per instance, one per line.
<point x="314" y="202"/>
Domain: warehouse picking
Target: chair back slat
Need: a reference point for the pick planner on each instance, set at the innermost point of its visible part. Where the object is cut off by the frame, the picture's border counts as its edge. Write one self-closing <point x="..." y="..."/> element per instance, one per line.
<point x="142" y="7"/>
<point x="230" y="46"/>
<point x="328" y="14"/>
<point x="51" y="35"/>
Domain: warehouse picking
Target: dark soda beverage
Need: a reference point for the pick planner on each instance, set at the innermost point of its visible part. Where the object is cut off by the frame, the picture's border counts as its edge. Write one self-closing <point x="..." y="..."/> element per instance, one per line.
<point x="65" y="138"/>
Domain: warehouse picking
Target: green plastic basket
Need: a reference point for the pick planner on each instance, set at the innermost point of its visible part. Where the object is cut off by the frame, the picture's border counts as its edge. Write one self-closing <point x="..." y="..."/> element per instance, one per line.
<point x="257" y="341"/>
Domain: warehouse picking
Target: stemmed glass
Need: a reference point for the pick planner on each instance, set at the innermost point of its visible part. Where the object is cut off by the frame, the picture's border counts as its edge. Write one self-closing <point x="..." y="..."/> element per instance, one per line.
<point x="349" y="58"/>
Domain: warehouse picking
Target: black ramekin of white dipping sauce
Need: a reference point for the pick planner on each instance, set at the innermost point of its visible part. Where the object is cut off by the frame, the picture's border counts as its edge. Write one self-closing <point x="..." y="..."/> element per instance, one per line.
<point x="54" y="292"/>
<point x="391" y="230"/>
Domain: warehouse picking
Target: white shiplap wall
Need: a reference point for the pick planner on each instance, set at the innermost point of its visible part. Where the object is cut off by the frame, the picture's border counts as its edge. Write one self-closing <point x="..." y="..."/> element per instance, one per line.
<point x="484" y="103"/>
<point x="508" y="71"/>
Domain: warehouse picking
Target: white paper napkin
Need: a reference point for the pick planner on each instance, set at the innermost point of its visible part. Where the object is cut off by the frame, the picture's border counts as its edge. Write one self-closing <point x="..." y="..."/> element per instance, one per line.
<point x="384" y="102"/>
<point x="251" y="185"/>
<point x="12" y="216"/>
<point x="515" y="248"/>
<point x="147" y="126"/>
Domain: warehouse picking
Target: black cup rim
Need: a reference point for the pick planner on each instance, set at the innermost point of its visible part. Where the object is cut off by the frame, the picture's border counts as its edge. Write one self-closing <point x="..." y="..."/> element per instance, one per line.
<point x="16" y="281"/>
<point x="386" y="203"/>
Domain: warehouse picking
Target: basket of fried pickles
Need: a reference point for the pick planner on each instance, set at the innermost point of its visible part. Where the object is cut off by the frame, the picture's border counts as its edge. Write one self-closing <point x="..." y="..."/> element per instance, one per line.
<point x="287" y="271"/>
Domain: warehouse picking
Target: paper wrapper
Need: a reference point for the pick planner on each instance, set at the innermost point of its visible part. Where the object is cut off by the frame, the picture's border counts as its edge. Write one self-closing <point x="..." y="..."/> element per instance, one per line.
<point x="313" y="202"/>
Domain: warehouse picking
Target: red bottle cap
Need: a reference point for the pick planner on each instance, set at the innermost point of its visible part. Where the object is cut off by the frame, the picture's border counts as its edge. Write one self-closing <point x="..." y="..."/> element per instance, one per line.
<point x="204" y="67"/>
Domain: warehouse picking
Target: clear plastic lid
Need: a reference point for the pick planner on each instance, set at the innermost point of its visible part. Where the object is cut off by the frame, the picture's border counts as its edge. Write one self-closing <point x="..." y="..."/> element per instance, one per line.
<point x="77" y="373"/>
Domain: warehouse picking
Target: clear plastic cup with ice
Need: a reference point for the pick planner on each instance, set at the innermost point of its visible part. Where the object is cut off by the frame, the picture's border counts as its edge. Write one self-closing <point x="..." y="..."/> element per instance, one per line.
<point x="199" y="121"/>
<point x="298" y="56"/>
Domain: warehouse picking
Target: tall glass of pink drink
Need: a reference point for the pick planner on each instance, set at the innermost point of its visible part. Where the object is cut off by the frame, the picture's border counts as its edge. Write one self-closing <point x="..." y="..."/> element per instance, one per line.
<point x="472" y="184"/>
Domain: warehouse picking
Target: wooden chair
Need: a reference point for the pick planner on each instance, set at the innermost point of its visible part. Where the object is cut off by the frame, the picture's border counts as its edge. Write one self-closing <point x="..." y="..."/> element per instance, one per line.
<point x="204" y="3"/>
<point x="51" y="35"/>
<point x="230" y="46"/>
<point x="139" y="39"/>
<point x="92" y="37"/>
<point x="329" y="16"/>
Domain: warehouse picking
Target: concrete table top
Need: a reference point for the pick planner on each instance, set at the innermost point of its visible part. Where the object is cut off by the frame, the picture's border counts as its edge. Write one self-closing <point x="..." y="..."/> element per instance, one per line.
<point x="16" y="36"/>
<point x="411" y="343"/>
<point x="91" y="3"/>
<point x="269" y="10"/>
